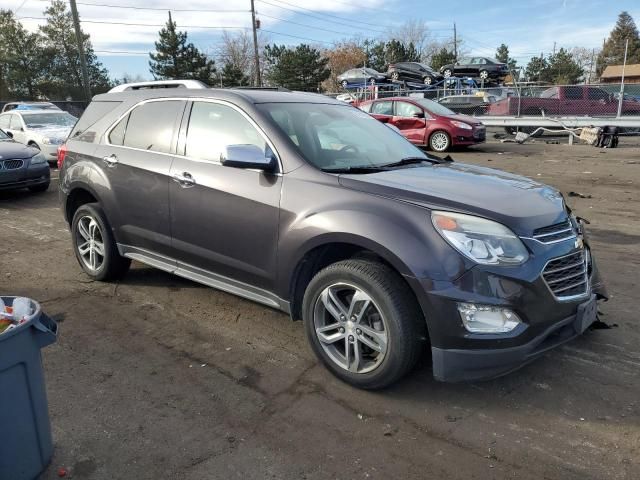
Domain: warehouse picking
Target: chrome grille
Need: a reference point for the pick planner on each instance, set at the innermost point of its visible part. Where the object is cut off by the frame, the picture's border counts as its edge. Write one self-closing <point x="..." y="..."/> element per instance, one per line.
<point x="568" y="276"/>
<point x="554" y="233"/>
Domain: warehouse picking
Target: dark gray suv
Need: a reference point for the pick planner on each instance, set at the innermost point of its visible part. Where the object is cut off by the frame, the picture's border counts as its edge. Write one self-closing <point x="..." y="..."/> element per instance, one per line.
<point x="313" y="207"/>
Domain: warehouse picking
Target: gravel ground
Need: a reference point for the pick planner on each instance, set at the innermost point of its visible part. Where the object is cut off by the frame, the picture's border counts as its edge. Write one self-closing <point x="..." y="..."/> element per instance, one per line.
<point x="156" y="377"/>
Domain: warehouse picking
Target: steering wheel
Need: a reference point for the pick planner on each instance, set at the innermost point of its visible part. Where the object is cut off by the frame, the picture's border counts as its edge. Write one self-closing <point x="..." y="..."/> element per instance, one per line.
<point x="347" y="148"/>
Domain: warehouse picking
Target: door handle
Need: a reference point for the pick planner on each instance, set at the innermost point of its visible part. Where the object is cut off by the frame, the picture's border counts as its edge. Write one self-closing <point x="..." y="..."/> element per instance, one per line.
<point x="111" y="160"/>
<point x="185" y="179"/>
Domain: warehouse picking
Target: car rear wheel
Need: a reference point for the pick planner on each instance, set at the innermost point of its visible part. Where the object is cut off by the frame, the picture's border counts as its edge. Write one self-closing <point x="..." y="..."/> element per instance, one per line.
<point x="447" y="72"/>
<point x="372" y="81"/>
<point x="344" y="84"/>
<point x="427" y="80"/>
<point x="484" y="74"/>
<point x="363" y="323"/>
<point x="440" y="141"/>
<point x="94" y="245"/>
<point x="395" y="76"/>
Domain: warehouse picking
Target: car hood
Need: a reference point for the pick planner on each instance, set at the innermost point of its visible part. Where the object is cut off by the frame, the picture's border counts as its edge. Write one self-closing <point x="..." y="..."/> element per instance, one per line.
<point x="52" y="131"/>
<point x="14" y="150"/>
<point x="518" y="202"/>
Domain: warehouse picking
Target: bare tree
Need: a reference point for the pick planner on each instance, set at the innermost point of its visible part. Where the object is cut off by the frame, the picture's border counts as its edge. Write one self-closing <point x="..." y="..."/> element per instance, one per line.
<point x="236" y="49"/>
<point x="586" y="59"/>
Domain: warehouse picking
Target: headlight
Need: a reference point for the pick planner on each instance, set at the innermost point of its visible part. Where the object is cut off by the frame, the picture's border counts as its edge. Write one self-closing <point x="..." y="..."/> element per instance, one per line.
<point x="38" y="158"/>
<point x="464" y="126"/>
<point x="51" y="141"/>
<point x="46" y="140"/>
<point x="483" y="241"/>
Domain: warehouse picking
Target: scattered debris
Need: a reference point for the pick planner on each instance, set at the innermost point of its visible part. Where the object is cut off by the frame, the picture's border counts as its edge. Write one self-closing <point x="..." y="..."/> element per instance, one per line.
<point x="552" y="142"/>
<point x="360" y="416"/>
<point x="578" y="194"/>
<point x="62" y="472"/>
<point x="451" y="418"/>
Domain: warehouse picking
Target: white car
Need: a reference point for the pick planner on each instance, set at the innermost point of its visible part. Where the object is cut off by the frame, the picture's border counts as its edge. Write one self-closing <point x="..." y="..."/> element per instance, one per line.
<point x="43" y="129"/>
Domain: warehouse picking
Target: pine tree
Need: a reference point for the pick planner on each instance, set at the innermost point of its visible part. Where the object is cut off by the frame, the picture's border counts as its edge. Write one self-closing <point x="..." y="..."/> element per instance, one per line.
<point x="299" y="68"/>
<point x="232" y="76"/>
<point x="177" y="59"/>
<point x="536" y="70"/>
<point x="613" y="50"/>
<point x="563" y="69"/>
<point x="442" y="58"/>
<point x="62" y="73"/>
<point x="502" y="55"/>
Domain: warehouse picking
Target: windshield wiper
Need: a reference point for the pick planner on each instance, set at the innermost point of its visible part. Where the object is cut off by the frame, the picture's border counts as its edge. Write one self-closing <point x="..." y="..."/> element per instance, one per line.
<point x="416" y="160"/>
<point x="359" y="169"/>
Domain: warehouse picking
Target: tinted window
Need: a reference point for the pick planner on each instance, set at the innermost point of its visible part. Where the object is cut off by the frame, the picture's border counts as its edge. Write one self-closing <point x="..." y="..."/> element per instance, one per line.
<point x="116" y="137"/>
<point x="4" y="121"/>
<point x="383" y="108"/>
<point x="574" y="93"/>
<point x="597" y="94"/>
<point x="40" y="120"/>
<point x="151" y="126"/>
<point x="213" y="126"/>
<point x="404" y="109"/>
<point x="94" y="112"/>
<point x="550" y="93"/>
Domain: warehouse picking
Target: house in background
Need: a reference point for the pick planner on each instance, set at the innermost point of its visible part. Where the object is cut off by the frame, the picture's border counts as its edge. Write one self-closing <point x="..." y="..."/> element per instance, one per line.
<point x="613" y="74"/>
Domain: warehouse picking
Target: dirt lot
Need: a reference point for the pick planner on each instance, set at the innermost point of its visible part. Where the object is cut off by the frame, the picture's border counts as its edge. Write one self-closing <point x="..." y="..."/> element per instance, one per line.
<point x="156" y="377"/>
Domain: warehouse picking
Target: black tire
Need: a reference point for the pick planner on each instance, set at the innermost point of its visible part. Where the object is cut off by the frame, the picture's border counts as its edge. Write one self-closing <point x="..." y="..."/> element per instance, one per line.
<point x="39" y="188"/>
<point x="427" y="80"/>
<point x="113" y="265"/>
<point x="372" y="81"/>
<point x="511" y="130"/>
<point x="344" y="84"/>
<point x="434" y="141"/>
<point x="483" y="74"/>
<point x="395" y="76"/>
<point x="403" y="320"/>
<point x="447" y="72"/>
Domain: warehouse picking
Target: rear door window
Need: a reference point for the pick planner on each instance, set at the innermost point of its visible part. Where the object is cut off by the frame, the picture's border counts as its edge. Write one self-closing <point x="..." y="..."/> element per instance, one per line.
<point x="152" y="126"/>
<point x="382" y="108"/>
<point x="597" y="94"/>
<point x="573" y="93"/>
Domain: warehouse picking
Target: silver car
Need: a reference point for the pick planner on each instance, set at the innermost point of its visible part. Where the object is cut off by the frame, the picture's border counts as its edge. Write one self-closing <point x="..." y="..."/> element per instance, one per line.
<point x="43" y="129"/>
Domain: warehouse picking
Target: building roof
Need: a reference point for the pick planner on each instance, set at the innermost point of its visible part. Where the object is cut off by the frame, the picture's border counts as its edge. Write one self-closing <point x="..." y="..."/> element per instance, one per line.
<point x="615" y="71"/>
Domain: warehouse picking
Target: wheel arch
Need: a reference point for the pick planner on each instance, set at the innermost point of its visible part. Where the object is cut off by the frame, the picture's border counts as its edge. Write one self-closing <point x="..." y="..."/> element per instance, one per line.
<point x="79" y="194"/>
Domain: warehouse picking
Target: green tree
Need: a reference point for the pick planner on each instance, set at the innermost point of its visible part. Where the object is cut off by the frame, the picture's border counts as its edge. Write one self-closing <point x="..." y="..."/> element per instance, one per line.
<point x="381" y="54"/>
<point x="563" y="69"/>
<point x="502" y="55"/>
<point x="442" y="58"/>
<point x="536" y="70"/>
<point x="299" y="68"/>
<point x="232" y="76"/>
<point x="613" y="50"/>
<point x="176" y="59"/>
<point x="61" y="70"/>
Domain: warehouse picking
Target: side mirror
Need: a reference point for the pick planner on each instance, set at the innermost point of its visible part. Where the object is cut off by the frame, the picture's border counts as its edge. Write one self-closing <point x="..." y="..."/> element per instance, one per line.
<point x="9" y="134"/>
<point x="418" y="115"/>
<point x="247" y="156"/>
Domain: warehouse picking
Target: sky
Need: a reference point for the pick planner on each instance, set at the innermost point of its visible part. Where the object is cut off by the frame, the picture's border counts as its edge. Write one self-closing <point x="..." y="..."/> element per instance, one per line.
<point x="528" y="27"/>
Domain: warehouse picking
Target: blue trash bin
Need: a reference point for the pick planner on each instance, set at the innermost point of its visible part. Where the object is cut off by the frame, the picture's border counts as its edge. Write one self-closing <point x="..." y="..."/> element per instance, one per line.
<point x="26" y="445"/>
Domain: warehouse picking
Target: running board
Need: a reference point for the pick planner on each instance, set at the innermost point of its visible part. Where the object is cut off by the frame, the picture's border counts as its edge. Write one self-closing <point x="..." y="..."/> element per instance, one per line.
<point x="204" y="277"/>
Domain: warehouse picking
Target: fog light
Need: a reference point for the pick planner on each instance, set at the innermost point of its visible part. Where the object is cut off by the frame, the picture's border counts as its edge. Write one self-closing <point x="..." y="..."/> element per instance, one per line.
<point x="487" y="319"/>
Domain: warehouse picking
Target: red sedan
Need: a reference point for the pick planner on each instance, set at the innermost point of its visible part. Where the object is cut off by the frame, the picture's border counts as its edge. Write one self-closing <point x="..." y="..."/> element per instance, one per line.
<point x="427" y="123"/>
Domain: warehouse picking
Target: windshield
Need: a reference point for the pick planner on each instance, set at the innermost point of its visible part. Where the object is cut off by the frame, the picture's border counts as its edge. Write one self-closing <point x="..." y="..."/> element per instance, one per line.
<point x="426" y="67"/>
<point x="434" y="107"/>
<point x="371" y="71"/>
<point x="336" y="137"/>
<point x="41" y="120"/>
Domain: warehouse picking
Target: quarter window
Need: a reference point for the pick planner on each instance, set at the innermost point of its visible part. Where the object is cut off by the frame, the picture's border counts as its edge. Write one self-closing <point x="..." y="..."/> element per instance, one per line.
<point x="116" y="137"/>
<point x="213" y="126"/>
<point x="15" y="122"/>
<point x="151" y="126"/>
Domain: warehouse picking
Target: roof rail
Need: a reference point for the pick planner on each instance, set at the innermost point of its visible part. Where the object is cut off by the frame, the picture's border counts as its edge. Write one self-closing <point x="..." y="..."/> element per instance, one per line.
<point x="273" y="89"/>
<point x="190" y="84"/>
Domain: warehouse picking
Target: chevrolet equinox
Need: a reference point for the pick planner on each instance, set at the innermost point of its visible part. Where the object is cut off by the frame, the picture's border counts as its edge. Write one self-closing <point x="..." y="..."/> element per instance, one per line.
<point x="313" y="207"/>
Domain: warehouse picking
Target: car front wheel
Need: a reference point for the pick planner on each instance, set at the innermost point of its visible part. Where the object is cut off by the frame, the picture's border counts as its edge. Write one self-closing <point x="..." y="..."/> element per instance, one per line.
<point x="484" y="74"/>
<point x="427" y="80"/>
<point x="395" y="76"/>
<point x="344" y="84"/>
<point x="440" y="141"/>
<point x="362" y="323"/>
<point x="94" y="245"/>
<point x="447" y="72"/>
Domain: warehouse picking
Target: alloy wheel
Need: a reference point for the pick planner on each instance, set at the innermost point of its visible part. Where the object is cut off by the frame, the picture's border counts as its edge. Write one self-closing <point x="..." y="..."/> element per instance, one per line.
<point x="344" y="84"/>
<point x="484" y="74"/>
<point x="427" y="80"/>
<point x="395" y="76"/>
<point x="350" y="328"/>
<point x="447" y="73"/>
<point x="439" y="141"/>
<point x="90" y="243"/>
<point x="372" y="81"/>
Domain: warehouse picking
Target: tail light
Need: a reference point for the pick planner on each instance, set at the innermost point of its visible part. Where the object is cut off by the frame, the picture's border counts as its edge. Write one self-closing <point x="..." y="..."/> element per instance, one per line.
<point x="62" y="152"/>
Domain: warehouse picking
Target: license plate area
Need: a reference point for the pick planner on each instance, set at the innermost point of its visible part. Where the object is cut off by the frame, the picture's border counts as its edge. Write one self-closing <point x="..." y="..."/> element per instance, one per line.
<point x="586" y="315"/>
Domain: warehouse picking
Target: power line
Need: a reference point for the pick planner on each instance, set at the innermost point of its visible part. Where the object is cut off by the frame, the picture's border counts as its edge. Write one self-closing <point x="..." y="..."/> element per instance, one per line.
<point x="304" y="25"/>
<point x="296" y="36"/>
<point x="332" y="16"/>
<point x="104" y="22"/>
<point x="132" y="7"/>
<point x="320" y="18"/>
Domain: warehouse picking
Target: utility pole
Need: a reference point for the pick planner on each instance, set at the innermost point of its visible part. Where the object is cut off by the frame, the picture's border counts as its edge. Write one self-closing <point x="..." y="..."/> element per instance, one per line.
<point x="455" y="42"/>
<point x="554" y="48"/>
<point x="83" y="58"/>
<point x="624" y="64"/>
<point x="592" y="66"/>
<point x="255" y="44"/>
